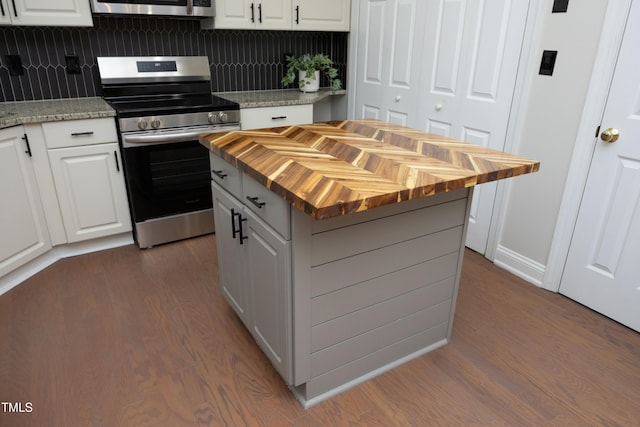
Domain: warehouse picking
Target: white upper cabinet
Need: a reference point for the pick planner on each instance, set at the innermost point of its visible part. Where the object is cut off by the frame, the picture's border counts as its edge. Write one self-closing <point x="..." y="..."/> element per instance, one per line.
<point x="46" y="12"/>
<point x="5" y="17"/>
<point x="251" y="15"/>
<point x="310" y="15"/>
<point x="321" y="15"/>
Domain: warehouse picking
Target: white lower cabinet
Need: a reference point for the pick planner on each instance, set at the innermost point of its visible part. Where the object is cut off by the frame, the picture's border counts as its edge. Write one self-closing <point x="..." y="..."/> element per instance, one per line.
<point x="91" y="192"/>
<point x="87" y="171"/>
<point x="22" y="223"/>
<point x="255" y="276"/>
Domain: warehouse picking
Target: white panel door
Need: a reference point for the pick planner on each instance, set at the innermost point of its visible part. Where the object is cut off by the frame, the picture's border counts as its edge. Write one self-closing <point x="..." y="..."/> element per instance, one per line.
<point x="603" y="266"/>
<point x="445" y="66"/>
<point x="470" y="62"/>
<point x="388" y="60"/>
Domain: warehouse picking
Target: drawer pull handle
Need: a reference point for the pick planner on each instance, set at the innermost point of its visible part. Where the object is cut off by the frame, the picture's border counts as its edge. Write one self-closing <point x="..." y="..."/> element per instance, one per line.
<point x="82" y="133"/>
<point x="25" y="138"/>
<point x="255" y="201"/>
<point x="242" y="238"/>
<point x="234" y="231"/>
<point x="279" y="118"/>
<point x="115" y="154"/>
<point x="219" y="173"/>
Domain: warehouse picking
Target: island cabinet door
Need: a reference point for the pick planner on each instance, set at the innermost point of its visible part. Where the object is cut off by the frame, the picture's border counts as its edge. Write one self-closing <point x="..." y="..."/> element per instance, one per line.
<point x="269" y="285"/>
<point x="231" y="262"/>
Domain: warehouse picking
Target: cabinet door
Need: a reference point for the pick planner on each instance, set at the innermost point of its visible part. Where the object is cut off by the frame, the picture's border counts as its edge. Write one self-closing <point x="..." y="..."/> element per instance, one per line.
<point x="322" y="15"/>
<point x="269" y="287"/>
<point x="235" y="14"/>
<point x="5" y="17"/>
<point x="59" y="13"/>
<point x="231" y="265"/>
<point x="91" y="191"/>
<point x="22" y="224"/>
<point x="273" y="15"/>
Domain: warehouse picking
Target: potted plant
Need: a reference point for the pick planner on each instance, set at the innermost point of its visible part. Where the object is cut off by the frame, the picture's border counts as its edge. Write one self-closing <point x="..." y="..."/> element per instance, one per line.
<point x="308" y="68"/>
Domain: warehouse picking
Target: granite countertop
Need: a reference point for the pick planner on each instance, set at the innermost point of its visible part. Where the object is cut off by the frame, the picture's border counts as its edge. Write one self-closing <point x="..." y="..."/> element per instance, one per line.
<point x="277" y="98"/>
<point x="18" y="113"/>
<point x="337" y="168"/>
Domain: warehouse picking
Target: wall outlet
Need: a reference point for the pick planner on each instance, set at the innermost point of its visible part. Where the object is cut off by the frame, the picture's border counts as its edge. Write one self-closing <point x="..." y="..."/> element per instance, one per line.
<point x="14" y="64"/>
<point x="548" y="62"/>
<point x="560" y="6"/>
<point x="73" y="64"/>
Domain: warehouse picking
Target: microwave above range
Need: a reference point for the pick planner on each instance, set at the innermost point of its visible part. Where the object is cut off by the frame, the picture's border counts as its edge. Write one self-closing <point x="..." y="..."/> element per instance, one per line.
<point x="173" y="8"/>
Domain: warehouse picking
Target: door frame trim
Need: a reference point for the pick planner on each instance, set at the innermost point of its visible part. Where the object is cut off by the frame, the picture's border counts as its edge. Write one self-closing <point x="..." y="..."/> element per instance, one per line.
<point x="584" y="146"/>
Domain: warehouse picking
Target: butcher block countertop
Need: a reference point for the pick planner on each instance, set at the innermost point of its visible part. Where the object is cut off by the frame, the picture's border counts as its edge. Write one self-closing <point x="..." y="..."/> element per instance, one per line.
<point x="342" y="167"/>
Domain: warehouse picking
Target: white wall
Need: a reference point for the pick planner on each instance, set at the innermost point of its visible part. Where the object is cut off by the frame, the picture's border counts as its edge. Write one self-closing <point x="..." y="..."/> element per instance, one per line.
<point x="547" y="130"/>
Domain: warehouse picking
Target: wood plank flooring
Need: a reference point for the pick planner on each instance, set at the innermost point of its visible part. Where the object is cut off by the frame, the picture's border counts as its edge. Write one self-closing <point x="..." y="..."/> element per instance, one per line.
<point x="130" y="337"/>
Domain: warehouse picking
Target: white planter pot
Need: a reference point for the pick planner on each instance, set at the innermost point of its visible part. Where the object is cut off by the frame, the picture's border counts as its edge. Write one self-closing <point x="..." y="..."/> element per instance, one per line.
<point x="310" y="85"/>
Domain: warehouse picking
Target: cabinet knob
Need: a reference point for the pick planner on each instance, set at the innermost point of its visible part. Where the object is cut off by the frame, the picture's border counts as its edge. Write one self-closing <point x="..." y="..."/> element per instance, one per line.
<point x="439" y="107"/>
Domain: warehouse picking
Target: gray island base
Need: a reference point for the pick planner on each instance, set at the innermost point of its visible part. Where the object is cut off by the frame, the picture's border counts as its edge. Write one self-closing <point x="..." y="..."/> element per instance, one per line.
<point x="335" y="302"/>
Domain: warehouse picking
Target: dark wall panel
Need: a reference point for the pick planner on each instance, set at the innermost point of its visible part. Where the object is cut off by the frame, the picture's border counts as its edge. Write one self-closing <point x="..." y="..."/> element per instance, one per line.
<point x="240" y="60"/>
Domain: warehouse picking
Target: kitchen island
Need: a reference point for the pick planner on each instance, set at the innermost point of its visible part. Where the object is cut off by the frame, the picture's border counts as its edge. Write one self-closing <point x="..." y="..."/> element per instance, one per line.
<point x="341" y="243"/>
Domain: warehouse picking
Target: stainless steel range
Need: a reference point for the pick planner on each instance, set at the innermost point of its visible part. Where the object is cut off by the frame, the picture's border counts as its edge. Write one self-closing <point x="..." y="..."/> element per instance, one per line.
<point x="163" y="104"/>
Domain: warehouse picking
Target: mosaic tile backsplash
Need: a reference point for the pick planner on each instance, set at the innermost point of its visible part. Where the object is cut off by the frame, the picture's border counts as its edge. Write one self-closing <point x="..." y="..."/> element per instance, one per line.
<point x="240" y="60"/>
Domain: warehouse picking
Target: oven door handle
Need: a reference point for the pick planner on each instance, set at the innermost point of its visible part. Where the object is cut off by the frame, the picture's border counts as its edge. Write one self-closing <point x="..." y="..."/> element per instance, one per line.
<point x="148" y="138"/>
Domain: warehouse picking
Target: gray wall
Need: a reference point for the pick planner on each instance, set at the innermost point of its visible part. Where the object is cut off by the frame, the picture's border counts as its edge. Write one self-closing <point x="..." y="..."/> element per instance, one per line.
<point x="547" y="132"/>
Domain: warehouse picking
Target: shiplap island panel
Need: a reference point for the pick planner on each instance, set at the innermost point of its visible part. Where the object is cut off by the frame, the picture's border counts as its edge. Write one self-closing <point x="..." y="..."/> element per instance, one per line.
<point x="334" y="291"/>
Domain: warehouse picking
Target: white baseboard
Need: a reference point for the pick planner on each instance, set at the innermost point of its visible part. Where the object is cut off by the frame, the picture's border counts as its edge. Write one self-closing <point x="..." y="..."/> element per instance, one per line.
<point x="519" y="265"/>
<point x="19" y="275"/>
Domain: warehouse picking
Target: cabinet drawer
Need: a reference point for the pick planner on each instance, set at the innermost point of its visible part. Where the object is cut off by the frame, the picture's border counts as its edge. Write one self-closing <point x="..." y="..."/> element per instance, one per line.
<point x="76" y="133"/>
<point x="267" y="205"/>
<point x="226" y="175"/>
<point x="268" y="117"/>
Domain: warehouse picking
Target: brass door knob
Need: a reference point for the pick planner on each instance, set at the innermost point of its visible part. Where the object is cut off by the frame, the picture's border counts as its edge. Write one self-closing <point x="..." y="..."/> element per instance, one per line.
<point x="610" y="135"/>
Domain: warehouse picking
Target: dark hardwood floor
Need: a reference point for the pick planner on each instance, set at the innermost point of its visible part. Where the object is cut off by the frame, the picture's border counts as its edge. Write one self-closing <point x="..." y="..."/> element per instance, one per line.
<point x="126" y="337"/>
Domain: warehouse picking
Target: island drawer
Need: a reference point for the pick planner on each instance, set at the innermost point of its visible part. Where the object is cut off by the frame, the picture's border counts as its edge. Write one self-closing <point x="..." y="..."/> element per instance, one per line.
<point x="227" y="176"/>
<point x="267" y="205"/>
